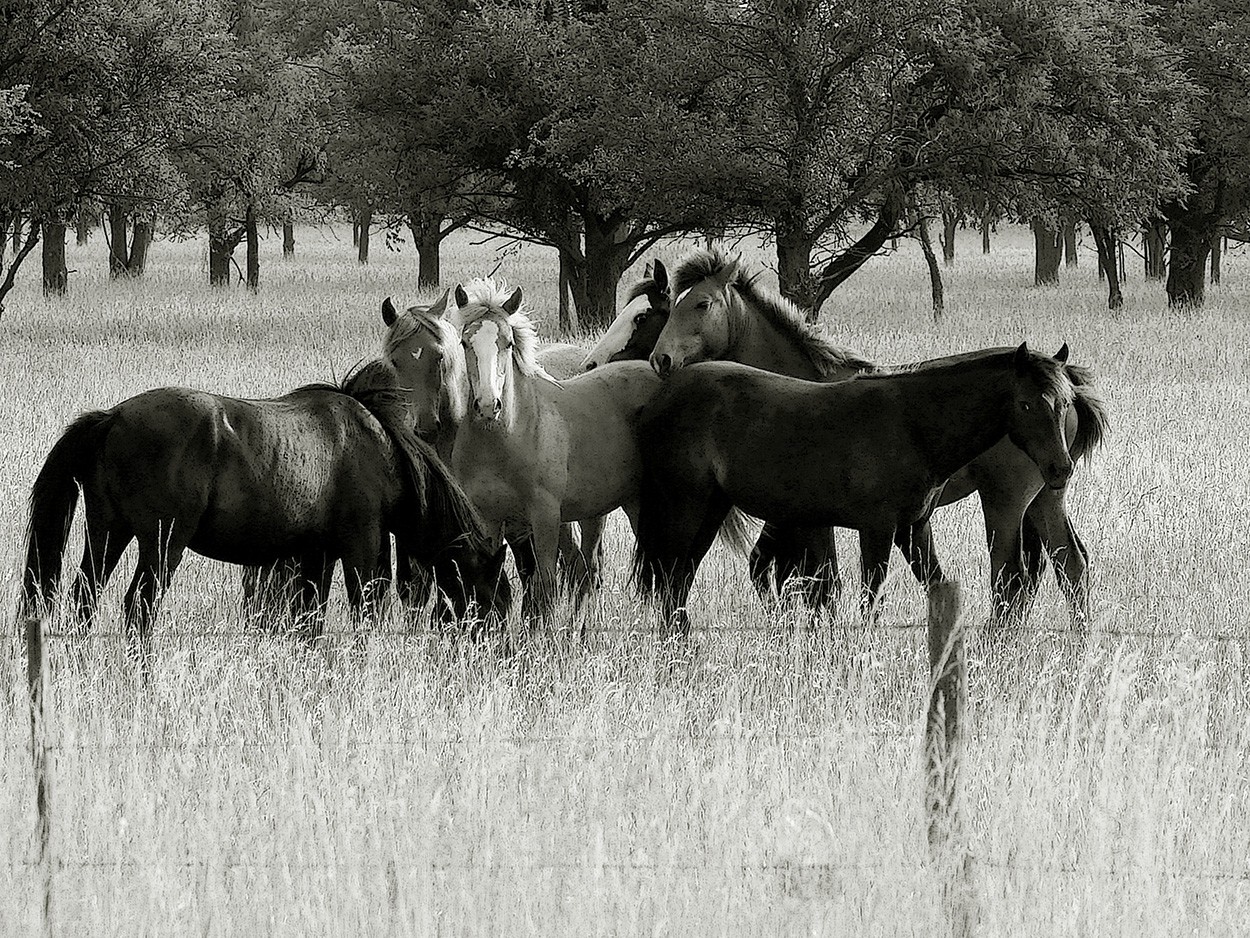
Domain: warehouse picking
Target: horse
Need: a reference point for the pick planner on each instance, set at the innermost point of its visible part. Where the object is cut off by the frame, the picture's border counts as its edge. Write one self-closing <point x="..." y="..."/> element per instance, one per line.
<point x="323" y="474"/>
<point x="423" y="347"/>
<point x="534" y="452"/>
<point x="872" y="453"/>
<point x="633" y="334"/>
<point x="744" y="322"/>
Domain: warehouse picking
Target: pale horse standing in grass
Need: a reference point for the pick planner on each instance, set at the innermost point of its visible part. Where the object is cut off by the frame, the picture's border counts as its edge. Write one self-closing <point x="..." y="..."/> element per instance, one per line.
<point x="535" y="452"/>
<point x="422" y="346"/>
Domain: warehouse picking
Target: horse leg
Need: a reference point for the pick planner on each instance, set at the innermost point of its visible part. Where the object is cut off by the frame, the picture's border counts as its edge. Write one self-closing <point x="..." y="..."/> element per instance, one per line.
<point x="916" y="543"/>
<point x="714" y="512"/>
<point x="1059" y="540"/>
<point x="413" y="582"/>
<point x="763" y="565"/>
<point x="1003" y="507"/>
<point x="875" y="545"/>
<point x="570" y="562"/>
<point x="100" y="555"/>
<point x="591" y="553"/>
<point x="158" y="559"/>
<point x="309" y="602"/>
<point x="545" y="539"/>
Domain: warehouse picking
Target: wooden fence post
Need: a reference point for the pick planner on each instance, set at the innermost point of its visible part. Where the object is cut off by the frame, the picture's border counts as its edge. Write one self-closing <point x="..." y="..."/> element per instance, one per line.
<point x="37" y="685"/>
<point x="944" y="750"/>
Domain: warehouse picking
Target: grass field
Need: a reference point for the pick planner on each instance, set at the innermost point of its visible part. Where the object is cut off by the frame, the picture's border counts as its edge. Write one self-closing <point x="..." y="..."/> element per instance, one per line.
<point x="774" y="787"/>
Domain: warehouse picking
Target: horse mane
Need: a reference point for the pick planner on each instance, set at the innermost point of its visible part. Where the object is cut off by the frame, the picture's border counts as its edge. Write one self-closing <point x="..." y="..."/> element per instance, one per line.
<point x="375" y="385"/>
<point x="1093" y="420"/>
<point x="828" y="358"/>
<point x="486" y="298"/>
<point x="455" y="371"/>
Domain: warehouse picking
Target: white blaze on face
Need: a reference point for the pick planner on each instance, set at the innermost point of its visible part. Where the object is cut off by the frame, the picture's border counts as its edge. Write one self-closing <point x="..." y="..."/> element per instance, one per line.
<point x="617" y="336"/>
<point x="485" y="346"/>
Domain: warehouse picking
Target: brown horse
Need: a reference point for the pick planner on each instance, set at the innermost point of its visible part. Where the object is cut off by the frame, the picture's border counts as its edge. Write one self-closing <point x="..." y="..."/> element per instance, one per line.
<point x="324" y="474"/>
<point x="725" y="315"/>
<point x="872" y="453"/>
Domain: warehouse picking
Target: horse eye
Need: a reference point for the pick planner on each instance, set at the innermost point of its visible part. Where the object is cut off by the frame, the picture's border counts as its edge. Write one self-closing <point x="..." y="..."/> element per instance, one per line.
<point x="640" y="319"/>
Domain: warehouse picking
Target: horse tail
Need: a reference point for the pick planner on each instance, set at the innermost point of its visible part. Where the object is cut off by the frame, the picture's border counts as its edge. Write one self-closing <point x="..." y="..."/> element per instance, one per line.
<point x="737" y="532"/>
<point x="1093" y="420"/>
<point x="53" y="500"/>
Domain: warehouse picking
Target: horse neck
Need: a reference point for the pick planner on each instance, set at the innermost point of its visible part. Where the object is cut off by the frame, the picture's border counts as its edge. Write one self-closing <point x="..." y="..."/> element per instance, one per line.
<point x="958" y="412"/>
<point x="755" y="341"/>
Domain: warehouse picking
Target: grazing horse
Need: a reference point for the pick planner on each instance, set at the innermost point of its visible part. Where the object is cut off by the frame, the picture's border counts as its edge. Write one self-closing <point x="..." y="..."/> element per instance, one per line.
<point x="324" y="474"/>
<point x="872" y="453"/>
<point x="744" y="322"/>
<point x="536" y="452"/>
<point x="423" y="346"/>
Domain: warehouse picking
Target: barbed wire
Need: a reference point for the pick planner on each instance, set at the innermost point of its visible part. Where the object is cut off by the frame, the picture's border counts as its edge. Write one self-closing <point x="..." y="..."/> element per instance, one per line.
<point x="794" y="871"/>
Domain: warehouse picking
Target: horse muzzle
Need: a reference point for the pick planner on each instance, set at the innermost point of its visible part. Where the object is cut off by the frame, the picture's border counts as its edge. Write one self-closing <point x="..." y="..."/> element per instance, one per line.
<point x="488" y="411"/>
<point x="1058" y="474"/>
<point x="662" y="364"/>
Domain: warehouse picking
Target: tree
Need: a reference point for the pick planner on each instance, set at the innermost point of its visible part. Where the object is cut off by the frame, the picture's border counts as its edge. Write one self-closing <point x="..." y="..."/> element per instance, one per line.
<point x="1212" y="37"/>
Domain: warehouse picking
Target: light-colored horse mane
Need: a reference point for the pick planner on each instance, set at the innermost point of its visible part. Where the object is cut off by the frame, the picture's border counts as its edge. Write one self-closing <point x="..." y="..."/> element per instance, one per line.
<point x="487" y="298"/>
<point x="455" y="375"/>
<point x="787" y="318"/>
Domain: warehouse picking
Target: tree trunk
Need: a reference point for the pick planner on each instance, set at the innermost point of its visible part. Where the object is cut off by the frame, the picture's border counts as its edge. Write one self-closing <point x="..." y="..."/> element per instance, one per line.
<point x="362" y="238"/>
<point x="1154" y="247"/>
<point x="794" y="265"/>
<point x="140" y="241"/>
<point x="427" y="236"/>
<point x="5" y="221"/>
<point x="82" y="225"/>
<point x="1106" y="242"/>
<point x="950" y="222"/>
<point x="119" y="258"/>
<point x="565" y="313"/>
<point x="985" y="235"/>
<point x="19" y="255"/>
<point x="1047" y="252"/>
<point x="55" y="273"/>
<point x="355" y="229"/>
<point x="17" y="232"/>
<point x="921" y="224"/>
<point x="253" y="248"/>
<point x="1069" y="243"/>
<point x="288" y="235"/>
<point x="837" y="271"/>
<point x="606" y="254"/>
<point x="1192" y="231"/>
<point x="1215" y="257"/>
<point x="219" y="248"/>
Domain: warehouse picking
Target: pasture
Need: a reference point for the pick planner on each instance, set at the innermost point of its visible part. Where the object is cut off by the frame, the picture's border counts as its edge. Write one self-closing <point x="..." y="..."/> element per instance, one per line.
<point x="774" y="785"/>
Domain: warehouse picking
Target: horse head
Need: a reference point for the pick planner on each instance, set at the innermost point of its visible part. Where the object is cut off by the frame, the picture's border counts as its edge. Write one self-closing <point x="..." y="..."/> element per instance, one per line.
<point x="423" y="348"/>
<point x="700" y="319"/>
<point x="499" y="341"/>
<point x="632" y="335"/>
<point x="1042" y="392"/>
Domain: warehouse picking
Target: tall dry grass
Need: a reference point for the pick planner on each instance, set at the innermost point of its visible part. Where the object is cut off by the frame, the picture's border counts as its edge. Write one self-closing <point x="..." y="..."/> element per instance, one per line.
<point x="773" y="785"/>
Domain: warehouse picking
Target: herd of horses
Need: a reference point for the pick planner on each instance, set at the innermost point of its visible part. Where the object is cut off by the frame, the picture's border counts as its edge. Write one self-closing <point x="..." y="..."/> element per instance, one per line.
<point x="465" y="438"/>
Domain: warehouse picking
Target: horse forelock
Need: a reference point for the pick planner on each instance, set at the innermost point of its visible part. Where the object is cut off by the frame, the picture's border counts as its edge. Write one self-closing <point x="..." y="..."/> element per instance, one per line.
<point x="782" y="314"/>
<point x="1053" y="378"/>
<point x="453" y="367"/>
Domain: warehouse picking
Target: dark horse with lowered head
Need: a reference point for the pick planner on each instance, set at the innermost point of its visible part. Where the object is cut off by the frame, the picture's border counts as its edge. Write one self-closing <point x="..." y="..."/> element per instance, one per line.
<point x="722" y="313"/>
<point x="872" y="453"/>
<point x="324" y="474"/>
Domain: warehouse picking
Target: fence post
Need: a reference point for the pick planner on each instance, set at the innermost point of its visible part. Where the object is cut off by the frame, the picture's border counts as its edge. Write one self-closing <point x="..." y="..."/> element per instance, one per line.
<point x="944" y="750"/>
<point x="37" y="686"/>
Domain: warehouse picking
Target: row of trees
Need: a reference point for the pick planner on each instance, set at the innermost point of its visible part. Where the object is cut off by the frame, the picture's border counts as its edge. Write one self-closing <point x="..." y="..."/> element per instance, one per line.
<point x="599" y="126"/>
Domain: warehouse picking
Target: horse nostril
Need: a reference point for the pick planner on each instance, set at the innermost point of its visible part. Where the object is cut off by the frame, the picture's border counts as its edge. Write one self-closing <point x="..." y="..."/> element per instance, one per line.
<point x="662" y="363"/>
<point x="590" y="366"/>
<point x="498" y="407"/>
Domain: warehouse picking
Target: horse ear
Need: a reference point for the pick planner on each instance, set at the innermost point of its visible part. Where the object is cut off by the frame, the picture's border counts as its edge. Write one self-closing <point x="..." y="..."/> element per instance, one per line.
<point x="462" y="298"/>
<point x="439" y="309"/>
<point x="1062" y="354"/>
<point x="660" y="276"/>
<point x="728" y="272"/>
<point x="1021" y="358"/>
<point x="512" y="303"/>
<point x="389" y="313"/>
